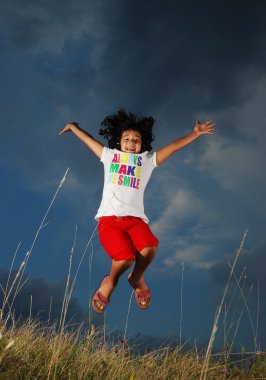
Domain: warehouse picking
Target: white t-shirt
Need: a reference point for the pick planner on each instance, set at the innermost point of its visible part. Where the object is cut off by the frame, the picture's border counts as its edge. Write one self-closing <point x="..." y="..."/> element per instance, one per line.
<point x="125" y="178"/>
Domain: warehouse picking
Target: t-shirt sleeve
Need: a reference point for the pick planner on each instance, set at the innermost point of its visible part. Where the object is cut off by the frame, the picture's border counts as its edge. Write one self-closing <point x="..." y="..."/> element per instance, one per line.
<point x="104" y="154"/>
<point x="152" y="159"/>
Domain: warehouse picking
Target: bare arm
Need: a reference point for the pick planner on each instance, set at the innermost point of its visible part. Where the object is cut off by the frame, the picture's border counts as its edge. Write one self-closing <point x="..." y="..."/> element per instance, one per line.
<point x="199" y="129"/>
<point x="94" y="145"/>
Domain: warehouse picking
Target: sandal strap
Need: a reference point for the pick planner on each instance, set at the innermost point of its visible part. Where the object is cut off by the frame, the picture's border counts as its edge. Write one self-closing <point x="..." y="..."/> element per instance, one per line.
<point x="144" y="293"/>
<point x="98" y="296"/>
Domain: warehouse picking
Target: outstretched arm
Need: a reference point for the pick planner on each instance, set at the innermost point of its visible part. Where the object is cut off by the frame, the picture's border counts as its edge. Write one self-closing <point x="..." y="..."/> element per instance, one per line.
<point x="94" y="145"/>
<point x="199" y="129"/>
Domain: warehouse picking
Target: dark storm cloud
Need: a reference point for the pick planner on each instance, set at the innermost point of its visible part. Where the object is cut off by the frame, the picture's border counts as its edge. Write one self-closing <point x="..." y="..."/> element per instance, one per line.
<point x="48" y="69"/>
<point x="165" y="47"/>
<point x="183" y="50"/>
<point x="83" y="60"/>
<point x="44" y="295"/>
<point x="44" y="24"/>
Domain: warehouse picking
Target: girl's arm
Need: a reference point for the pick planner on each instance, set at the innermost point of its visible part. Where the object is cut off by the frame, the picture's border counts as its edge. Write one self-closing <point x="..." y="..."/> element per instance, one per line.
<point x="199" y="129"/>
<point x="94" y="145"/>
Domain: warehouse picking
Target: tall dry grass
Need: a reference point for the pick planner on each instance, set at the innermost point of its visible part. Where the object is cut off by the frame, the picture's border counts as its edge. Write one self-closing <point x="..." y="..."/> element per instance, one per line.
<point x="34" y="351"/>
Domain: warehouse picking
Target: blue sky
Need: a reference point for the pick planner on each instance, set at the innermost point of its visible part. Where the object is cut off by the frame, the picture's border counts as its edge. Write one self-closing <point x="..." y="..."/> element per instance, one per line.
<point x="177" y="61"/>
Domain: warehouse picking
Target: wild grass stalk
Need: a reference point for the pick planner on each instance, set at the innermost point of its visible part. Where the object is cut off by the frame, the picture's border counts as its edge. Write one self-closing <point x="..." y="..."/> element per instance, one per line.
<point x="128" y="310"/>
<point x="237" y="302"/>
<point x="9" y="344"/>
<point x="181" y="304"/>
<point x="90" y="289"/>
<point x="67" y="296"/>
<point x="258" y="313"/>
<point x="30" y="309"/>
<point x="50" y="310"/>
<point x="11" y="267"/>
<point x="81" y="260"/>
<point x="224" y="329"/>
<point x="204" y="370"/>
<point x="237" y="325"/>
<point x="41" y="226"/>
<point x="16" y="284"/>
<point x="9" y="291"/>
<point x="247" y="308"/>
<point x="104" y="326"/>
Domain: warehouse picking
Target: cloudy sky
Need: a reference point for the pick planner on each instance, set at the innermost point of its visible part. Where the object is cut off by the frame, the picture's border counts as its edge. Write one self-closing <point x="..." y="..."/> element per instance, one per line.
<point x="175" y="60"/>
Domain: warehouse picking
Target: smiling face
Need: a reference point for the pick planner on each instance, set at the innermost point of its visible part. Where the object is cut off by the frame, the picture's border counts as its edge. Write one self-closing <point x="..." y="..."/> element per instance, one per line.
<point x="130" y="141"/>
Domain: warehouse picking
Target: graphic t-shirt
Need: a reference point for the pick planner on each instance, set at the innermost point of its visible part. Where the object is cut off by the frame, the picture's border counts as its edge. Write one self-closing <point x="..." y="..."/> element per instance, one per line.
<point x="125" y="178"/>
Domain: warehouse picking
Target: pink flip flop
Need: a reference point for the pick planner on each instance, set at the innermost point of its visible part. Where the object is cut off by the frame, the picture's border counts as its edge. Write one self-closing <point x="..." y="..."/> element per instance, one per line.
<point x="99" y="297"/>
<point x="141" y="296"/>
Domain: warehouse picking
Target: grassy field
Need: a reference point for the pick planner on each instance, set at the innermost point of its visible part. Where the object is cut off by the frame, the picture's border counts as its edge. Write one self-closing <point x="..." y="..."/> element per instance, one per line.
<point x="34" y="351"/>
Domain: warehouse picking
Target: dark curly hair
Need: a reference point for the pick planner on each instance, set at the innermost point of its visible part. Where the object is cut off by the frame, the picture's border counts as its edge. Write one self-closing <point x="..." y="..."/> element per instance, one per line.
<point x="115" y="125"/>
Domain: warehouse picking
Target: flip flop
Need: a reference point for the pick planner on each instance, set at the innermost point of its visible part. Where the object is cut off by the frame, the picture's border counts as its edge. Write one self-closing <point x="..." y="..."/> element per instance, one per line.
<point x="141" y="296"/>
<point x="99" y="297"/>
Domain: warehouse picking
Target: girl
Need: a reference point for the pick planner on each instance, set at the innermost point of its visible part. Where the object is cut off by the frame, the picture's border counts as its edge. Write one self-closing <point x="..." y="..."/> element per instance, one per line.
<point x="122" y="224"/>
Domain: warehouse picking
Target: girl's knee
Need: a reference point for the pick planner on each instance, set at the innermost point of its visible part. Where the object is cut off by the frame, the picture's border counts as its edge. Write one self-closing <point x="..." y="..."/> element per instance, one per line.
<point x="126" y="263"/>
<point x="148" y="251"/>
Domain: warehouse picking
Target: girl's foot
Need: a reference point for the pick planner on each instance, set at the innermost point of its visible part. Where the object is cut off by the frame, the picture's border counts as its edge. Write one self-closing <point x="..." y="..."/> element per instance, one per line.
<point x="101" y="297"/>
<point x="142" y="292"/>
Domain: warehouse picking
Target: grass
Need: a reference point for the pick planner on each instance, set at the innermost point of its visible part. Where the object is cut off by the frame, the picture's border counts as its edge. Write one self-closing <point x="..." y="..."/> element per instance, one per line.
<point x="35" y="351"/>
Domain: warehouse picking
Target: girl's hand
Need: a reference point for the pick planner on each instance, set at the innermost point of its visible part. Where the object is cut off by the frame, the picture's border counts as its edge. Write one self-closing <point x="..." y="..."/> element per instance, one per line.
<point x="204" y="128"/>
<point x="68" y="127"/>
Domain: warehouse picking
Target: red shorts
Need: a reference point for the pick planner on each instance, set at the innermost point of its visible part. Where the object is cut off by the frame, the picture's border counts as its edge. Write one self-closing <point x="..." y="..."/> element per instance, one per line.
<point x="122" y="237"/>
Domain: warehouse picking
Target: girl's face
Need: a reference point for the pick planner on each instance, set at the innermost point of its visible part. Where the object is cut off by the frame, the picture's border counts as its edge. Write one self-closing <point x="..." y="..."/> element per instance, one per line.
<point x="130" y="141"/>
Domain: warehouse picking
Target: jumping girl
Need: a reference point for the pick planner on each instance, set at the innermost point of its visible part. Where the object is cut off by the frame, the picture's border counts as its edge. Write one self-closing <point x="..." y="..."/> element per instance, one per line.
<point x="122" y="224"/>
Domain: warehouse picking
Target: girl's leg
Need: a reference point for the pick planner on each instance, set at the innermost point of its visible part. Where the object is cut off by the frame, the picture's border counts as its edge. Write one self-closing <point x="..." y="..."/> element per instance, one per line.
<point x="117" y="269"/>
<point x="143" y="260"/>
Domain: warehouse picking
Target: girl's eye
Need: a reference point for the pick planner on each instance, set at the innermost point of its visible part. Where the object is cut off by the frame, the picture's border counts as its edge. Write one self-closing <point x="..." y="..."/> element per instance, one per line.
<point x="136" y="141"/>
